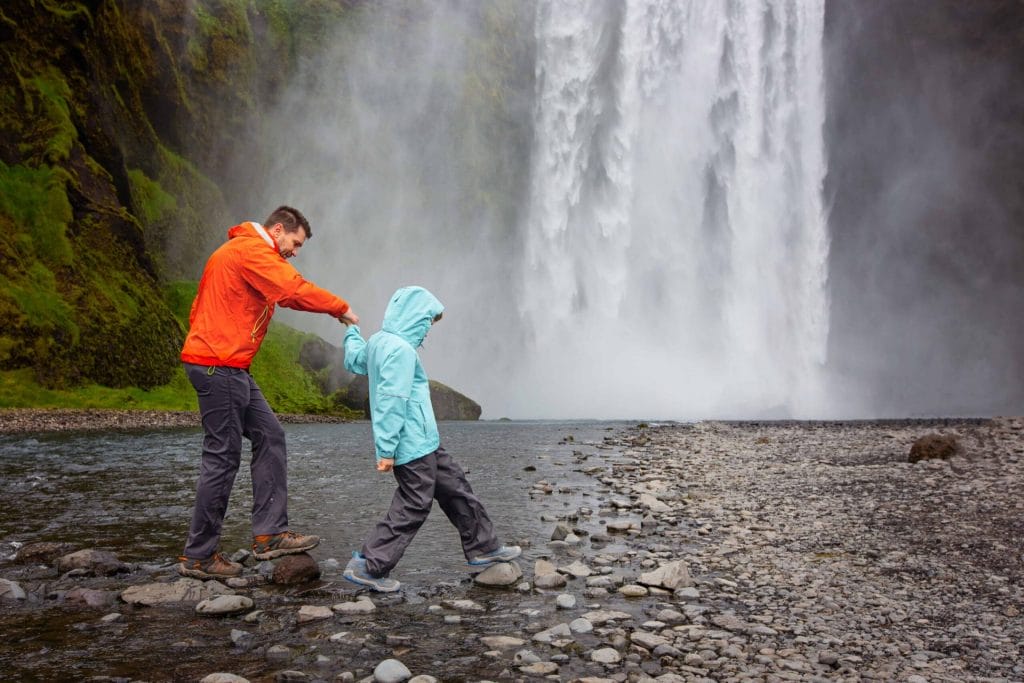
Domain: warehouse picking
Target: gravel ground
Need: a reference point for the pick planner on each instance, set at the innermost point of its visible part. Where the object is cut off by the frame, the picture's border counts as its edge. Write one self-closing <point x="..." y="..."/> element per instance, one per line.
<point x="24" y="421"/>
<point x="742" y="552"/>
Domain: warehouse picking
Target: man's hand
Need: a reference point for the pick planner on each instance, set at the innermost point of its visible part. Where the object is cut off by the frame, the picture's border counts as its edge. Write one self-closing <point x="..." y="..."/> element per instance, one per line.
<point x="349" y="318"/>
<point x="385" y="464"/>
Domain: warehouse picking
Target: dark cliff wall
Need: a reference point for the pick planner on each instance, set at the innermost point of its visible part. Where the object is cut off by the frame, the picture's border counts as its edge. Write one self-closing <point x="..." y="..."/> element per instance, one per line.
<point x="925" y="139"/>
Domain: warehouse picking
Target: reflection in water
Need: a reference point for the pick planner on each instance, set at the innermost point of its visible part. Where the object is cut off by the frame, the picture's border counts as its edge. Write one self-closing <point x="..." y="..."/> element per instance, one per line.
<point x="132" y="492"/>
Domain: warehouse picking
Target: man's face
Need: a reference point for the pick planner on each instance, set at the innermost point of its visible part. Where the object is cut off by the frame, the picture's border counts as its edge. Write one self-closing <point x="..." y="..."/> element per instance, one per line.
<point x="288" y="243"/>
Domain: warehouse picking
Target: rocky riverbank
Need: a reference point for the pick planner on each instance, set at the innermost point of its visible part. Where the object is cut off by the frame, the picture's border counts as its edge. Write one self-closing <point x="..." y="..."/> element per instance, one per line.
<point x="711" y="552"/>
<point x="27" y="420"/>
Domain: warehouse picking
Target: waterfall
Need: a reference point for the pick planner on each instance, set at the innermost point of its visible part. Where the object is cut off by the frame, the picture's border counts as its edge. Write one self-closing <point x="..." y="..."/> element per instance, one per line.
<point x="676" y="243"/>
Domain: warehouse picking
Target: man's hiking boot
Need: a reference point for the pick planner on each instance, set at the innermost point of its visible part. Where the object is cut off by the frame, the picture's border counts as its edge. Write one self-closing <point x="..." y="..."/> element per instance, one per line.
<point x="269" y="546"/>
<point x="355" y="571"/>
<point x="505" y="553"/>
<point x="217" y="566"/>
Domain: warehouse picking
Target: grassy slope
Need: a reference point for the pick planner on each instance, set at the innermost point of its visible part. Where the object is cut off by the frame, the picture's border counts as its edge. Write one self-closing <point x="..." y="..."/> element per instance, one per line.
<point x="287" y="386"/>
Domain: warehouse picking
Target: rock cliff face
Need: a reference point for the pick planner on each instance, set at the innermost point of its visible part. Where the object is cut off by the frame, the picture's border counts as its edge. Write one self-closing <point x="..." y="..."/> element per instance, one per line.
<point x="114" y="121"/>
<point x="925" y="135"/>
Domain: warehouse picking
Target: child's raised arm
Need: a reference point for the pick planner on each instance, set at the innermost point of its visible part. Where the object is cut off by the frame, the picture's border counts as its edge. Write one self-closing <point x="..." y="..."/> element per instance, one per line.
<point x="355" y="351"/>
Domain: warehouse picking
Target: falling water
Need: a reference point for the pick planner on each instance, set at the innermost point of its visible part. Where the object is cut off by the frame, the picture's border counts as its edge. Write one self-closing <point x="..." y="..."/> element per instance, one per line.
<point x="665" y="253"/>
<point x="676" y="239"/>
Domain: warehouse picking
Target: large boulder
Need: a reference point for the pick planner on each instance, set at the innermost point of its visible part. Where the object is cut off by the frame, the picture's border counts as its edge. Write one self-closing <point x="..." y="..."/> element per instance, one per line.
<point x="448" y="403"/>
<point x="934" y="447"/>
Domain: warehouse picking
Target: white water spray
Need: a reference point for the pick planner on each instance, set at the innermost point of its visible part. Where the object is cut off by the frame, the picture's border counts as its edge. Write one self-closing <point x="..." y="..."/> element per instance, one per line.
<point x="669" y="258"/>
<point x="676" y="242"/>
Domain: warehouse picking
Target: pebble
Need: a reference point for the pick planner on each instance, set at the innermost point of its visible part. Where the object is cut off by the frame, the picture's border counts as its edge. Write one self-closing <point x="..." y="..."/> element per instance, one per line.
<point x="391" y="671"/>
<point x="565" y="601"/>
<point x="224" y="605"/>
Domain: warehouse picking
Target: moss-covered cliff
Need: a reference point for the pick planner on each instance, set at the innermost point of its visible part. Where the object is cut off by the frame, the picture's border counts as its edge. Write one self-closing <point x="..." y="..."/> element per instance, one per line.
<point x="114" y="121"/>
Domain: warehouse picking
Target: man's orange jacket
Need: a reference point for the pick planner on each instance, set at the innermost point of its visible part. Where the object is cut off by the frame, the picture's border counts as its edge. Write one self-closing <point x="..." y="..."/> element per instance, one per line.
<point x="242" y="282"/>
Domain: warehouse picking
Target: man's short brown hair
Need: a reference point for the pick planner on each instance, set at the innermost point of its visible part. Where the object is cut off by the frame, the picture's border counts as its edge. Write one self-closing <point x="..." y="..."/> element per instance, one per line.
<point x="291" y="219"/>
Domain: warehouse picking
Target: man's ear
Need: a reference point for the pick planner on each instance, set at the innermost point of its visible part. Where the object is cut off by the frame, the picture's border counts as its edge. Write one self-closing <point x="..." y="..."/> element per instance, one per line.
<point x="277" y="229"/>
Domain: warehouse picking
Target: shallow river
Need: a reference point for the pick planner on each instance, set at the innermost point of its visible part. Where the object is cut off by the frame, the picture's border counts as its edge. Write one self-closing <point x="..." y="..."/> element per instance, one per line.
<point x="131" y="492"/>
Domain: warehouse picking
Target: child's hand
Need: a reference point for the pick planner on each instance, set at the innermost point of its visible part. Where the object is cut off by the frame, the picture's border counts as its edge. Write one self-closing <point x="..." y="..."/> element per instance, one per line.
<point x="385" y="464"/>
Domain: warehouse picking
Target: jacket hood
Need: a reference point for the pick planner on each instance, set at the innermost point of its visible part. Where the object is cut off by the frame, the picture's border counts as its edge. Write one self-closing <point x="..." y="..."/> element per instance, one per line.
<point x="410" y="313"/>
<point x="252" y="230"/>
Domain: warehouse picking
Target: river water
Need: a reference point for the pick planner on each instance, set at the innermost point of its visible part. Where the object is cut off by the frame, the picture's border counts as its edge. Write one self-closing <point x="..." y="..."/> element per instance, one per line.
<point x="131" y="492"/>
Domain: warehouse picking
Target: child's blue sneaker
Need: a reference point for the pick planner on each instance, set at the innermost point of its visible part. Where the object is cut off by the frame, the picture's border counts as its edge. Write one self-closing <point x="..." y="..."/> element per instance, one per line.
<point x="355" y="571"/>
<point x="505" y="553"/>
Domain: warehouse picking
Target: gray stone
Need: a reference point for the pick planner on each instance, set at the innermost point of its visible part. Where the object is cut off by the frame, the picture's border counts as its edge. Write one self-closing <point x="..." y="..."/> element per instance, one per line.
<point x="606" y="655"/>
<point x="463" y="605"/>
<point x="633" y="591"/>
<point x="10" y="590"/>
<point x="576" y="569"/>
<point x="580" y="625"/>
<point x="565" y="601"/>
<point x="223" y="678"/>
<point x="670" y="576"/>
<point x="279" y="653"/>
<point x="391" y="671"/>
<point x="182" y="590"/>
<point x="313" y="613"/>
<point x="554" y="580"/>
<point x="525" y="657"/>
<point x="99" y="562"/>
<point x="539" y="668"/>
<point x="502" y="642"/>
<point x="500" y="574"/>
<point x="223" y="605"/>
<point x="355" y="607"/>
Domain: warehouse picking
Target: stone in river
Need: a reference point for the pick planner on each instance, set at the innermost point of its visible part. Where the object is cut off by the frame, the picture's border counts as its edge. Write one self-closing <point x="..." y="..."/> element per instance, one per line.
<point x="223" y="605"/>
<point x="606" y="655"/>
<point x="293" y="569"/>
<point x="223" y="678"/>
<point x="549" y="581"/>
<point x="500" y="574"/>
<point x="99" y="562"/>
<point x="10" y="590"/>
<point x="391" y="671"/>
<point x="313" y="613"/>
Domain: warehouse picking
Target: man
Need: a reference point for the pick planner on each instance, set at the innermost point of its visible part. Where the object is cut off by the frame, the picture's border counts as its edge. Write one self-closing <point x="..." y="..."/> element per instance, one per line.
<point x="241" y="284"/>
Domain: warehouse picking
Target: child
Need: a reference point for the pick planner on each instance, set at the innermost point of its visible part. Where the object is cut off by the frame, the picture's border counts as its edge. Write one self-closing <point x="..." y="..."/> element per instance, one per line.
<point x="407" y="444"/>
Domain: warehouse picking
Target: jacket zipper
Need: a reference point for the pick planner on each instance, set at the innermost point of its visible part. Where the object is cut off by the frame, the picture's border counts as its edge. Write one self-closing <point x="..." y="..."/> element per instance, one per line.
<point x="259" y="321"/>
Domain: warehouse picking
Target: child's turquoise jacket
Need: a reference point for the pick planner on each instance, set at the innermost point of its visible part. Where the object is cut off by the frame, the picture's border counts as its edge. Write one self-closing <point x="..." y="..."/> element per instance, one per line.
<point x="404" y="427"/>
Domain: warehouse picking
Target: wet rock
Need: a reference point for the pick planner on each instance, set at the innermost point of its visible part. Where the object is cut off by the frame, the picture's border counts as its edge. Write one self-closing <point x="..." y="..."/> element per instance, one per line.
<point x="223" y="678"/>
<point x="539" y="669"/>
<point x="581" y="625"/>
<point x="606" y="655"/>
<point x="240" y="638"/>
<point x="112" y="617"/>
<point x="224" y="605"/>
<point x="633" y="591"/>
<point x="10" y="590"/>
<point x="42" y="552"/>
<point x="463" y="605"/>
<point x="560" y="532"/>
<point x="362" y="605"/>
<point x="295" y="569"/>
<point x="182" y="590"/>
<point x="500" y="574"/>
<point x="502" y="642"/>
<point x="600" y="617"/>
<point x="543" y="568"/>
<point x="292" y="676"/>
<point x="247" y="581"/>
<point x="647" y="640"/>
<point x="548" y="635"/>
<point x="391" y="671"/>
<point x="309" y="613"/>
<point x="565" y="601"/>
<point x="278" y="653"/>
<point x="422" y="679"/>
<point x="90" y="597"/>
<point x="554" y="580"/>
<point x="670" y="576"/>
<point x="525" y="657"/>
<point x="98" y="562"/>
<point x="934" y="447"/>
<point x="577" y="569"/>
<point x="651" y="503"/>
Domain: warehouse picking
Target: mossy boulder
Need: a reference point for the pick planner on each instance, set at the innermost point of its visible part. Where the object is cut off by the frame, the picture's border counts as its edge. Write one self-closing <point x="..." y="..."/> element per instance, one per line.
<point x="448" y="403"/>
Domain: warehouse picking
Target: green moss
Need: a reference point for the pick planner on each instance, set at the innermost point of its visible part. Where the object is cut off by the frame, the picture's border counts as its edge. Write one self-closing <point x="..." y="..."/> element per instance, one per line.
<point x="66" y="10"/>
<point x="151" y="202"/>
<point x="36" y="201"/>
<point x="37" y="298"/>
<point x="179" y="297"/>
<point x="51" y="106"/>
<point x="287" y="387"/>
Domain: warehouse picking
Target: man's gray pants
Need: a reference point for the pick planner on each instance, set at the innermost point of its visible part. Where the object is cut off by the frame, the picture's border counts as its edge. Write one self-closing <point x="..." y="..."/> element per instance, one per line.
<point x="232" y="406"/>
<point x="420" y="482"/>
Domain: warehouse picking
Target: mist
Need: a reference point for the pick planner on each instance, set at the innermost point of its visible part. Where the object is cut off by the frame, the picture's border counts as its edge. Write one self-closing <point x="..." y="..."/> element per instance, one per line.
<point x="661" y="210"/>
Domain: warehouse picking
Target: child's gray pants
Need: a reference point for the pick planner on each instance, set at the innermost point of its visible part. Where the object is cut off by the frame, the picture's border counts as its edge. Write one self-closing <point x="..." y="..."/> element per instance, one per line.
<point x="232" y="406"/>
<point x="420" y="482"/>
